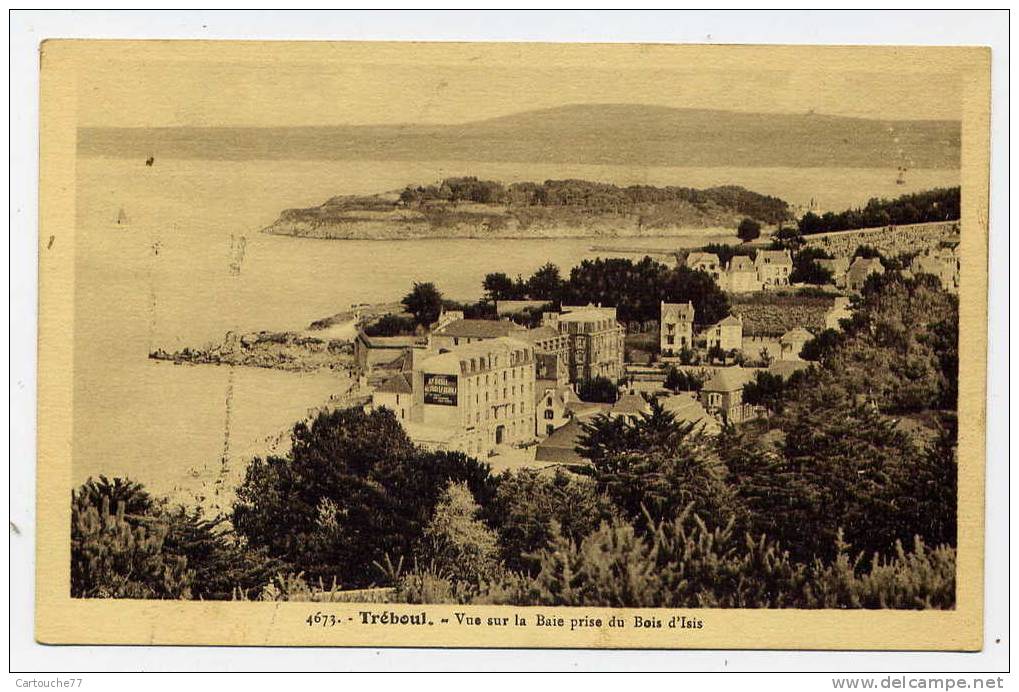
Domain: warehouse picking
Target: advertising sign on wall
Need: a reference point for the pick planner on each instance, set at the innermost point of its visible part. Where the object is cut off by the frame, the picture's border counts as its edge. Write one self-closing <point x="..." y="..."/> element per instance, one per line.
<point x="440" y="389"/>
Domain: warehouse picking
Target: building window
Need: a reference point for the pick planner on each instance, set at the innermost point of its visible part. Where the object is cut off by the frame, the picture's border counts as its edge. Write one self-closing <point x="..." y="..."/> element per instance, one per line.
<point x="549" y="414"/>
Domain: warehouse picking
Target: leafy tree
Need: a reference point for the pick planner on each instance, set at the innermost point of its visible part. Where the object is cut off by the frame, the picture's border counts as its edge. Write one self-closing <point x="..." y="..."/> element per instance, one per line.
<point x="545" y="283"/>
<point x="806" y="268"/>
<point x="424" y="302"/>
<point x="942" y="204"/>
<point x="841" y="466"/>
<point x="657" y="465"/>
<point x="765" y="390"/>
<point x="530" y="507"/>
<point x="822" y="346"/>
<point x="145" y="548"/>
<point x="498" y="286"/>
<point x="352" y="490"/>
<point x="455" y="542"/>
<point x="711" y="304"/>
<point x="598" y="389"/>
<point x="391" y="325"/>
<point x="748" y="230"/>
<point x="676" y="380"/>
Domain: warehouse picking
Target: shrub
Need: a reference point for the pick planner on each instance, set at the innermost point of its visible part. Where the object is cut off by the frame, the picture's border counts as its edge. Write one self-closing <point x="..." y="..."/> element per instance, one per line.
<point x="116" y="555"/>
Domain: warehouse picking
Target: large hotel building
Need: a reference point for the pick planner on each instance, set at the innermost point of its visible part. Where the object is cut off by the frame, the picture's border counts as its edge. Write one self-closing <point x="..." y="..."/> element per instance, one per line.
<point x="476" y="384"/>
<point x="595" y="341"/>
<point x="470" y="398"/>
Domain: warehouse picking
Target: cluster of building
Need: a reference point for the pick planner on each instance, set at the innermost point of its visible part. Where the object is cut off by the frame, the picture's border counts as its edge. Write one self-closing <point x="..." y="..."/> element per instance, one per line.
<point x="768" y="269"/>
<point x="677" y="333"/>
<point x="473" y="385"/>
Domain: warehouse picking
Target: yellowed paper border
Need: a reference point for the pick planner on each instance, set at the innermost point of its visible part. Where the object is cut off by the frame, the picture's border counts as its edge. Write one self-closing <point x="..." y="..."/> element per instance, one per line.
<point x="63" y="620"/>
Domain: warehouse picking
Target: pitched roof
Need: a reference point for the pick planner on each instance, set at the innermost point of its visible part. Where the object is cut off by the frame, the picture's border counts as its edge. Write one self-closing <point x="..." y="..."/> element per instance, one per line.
<point x="397" y="384"/>
<point x="538" y="334"/>
<point x="730" y="321"/>
<point x="479" y="329"/>
<point x="727" y="379"/>
<point x="630" y="404"/>
<point x="839" y="264"/>
<point x="695" y="258"/>
<point x="797" y="334"/>
<point x="740" y="263"/>
<point x="773" y="257"/>
<point x="583" y="409"/>
<point x="681" y="311"/>
<point x="687" y="409"/>
<point x="453" y="359"/>
<point x="388" y="341"/>
<point x="561" y="445"/>
<point x="861" y="264"/>
<point x="563" y="392"/>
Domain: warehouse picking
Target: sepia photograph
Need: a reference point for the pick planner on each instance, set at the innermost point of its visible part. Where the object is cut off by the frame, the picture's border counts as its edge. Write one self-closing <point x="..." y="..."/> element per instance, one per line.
<point x="487" y="342"/>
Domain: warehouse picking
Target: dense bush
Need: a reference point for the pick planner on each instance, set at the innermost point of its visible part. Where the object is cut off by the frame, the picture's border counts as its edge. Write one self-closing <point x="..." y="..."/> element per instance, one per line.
<point x="125" y="544"/>
<point x="598" y="197"/>
<point x="530" y="506"/>
<point x="685" y="563"/>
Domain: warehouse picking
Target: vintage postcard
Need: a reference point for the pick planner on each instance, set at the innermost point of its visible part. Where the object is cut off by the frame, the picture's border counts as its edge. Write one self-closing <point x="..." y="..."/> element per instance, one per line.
<point x="512" y="345"/>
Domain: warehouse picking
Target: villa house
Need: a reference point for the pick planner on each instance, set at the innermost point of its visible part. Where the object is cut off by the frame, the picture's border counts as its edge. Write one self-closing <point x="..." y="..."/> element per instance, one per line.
<point x="726" y="334"/>
<point x="396" y="394"/>
<point x="706" y="262"/>
<point x="740" y="276"/>
<point x="942" y="262"/>
<point x="722" y="395"/>
<point x="551" y="411"/>
<point x="676" y="327"/>
<point x="773" y="267"/>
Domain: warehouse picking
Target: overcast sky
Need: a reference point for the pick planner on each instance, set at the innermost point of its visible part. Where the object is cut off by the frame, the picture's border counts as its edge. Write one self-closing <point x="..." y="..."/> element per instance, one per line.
<point x="268" y="92"/>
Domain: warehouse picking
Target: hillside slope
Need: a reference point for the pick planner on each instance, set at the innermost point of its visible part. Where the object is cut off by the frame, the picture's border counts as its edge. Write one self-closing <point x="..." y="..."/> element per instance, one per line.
<point x="616" y="134"/>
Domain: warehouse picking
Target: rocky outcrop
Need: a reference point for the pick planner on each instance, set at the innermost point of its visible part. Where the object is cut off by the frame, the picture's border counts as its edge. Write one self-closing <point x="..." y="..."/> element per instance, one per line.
<point x="292" y="351"/>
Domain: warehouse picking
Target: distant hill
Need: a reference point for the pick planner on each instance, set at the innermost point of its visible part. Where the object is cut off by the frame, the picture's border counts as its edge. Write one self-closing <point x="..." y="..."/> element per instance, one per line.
<point x="616" y="134"/>
<point x="467" y="207"/>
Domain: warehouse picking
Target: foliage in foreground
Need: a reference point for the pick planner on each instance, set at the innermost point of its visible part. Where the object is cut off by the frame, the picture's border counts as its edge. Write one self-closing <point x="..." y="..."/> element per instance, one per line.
<point x="686" y="563"/>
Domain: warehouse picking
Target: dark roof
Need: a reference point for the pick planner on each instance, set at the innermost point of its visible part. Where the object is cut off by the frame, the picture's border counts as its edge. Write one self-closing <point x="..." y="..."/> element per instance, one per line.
<point x="539" y="334"/>
<point x="583" y="409"/>
<point x="631" y="404"/>
<point x="479" y="329"/>
<point x="727" y="380"/>
<point x="561" y="445"/>
<point x="397" y="384"/>
<point x="389" y="341"/>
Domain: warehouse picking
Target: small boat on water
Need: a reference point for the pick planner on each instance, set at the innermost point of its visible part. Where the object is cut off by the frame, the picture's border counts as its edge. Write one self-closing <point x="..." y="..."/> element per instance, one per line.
<point x="122" y="217"/>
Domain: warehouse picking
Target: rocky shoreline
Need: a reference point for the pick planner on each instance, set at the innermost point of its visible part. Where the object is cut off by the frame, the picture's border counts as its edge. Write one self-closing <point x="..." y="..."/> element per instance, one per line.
<point x="289" y="351"/>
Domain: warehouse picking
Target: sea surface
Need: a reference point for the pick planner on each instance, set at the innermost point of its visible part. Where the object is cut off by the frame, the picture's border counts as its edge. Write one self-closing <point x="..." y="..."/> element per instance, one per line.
<point x="171" y="255"/>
